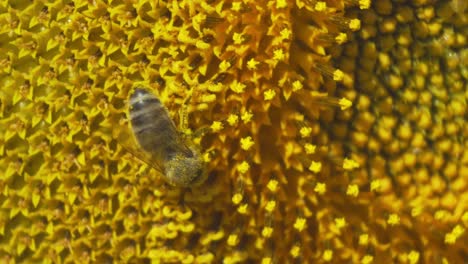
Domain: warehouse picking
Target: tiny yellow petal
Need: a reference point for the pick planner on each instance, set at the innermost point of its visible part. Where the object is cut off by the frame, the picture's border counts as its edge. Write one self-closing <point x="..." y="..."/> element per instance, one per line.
<point x="353" y="190"/>
<point x="320" y="6"/>
<point x="232" y="119"/>
<point x="327" y="255"/>
<point x="232" y="240"/>
<point x="252" y="64"/>
<point x="393" y="219"/>
<point x="320" y="188"/>
<point x="338" y="75"/>
<point x="236" y="6"/>
<point x="216" y="126"/>
<point x="416" y="211"/>
<point x="295" y="251"/>
<point x="224" y="65"/>
<point x="266" y="260"/>
<point x="450" y="239"/>
<point x="465" y="217"/>
<point x="237" y="87"/>
<point x="246" y="143"/>
<point x="270" y="206"/>
<point x="349" y="164"/>
<point x="208" y="98"/>
<point x="300" y="224"/>
<point x="345" y="103"/>
<point x="413" y="257"/>
<point x="297" y="85"/>
<point x="305" y="131"/>
<point x="215" y="87"/>
<point x="440" y="214"/>
<point x="243" y="167"/>
<point x="267" y="231"/>
<point x="269" y="94"/>
<point x="315" y="166"/>
<point x="279" y="55"/>
<point x="272" y="185"/>
<point x="341" y="38"/>
<point x="309" y="148"/>
<point x="35" y="199"/>
<point x="246" y="116"/>
<point x="375" y="185"/>
<point x="340" y="222"/>
<point x="242" y="209"/>
<point x="367" y="259"/>
<point x="206" y="157"/>
<point x="238" y="38"/>
<point x="355" y="24"/>
<point x="364" y="4"/>
<point x="281" y="3"/>
<point x="363" y="239"/>
<point x="285" y="33"/>
<point x="237" y="198"/>
<point x="458" y="230"/>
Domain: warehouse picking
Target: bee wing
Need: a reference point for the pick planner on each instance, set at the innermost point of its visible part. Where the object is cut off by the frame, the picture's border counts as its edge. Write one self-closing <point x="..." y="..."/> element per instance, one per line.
<point x="128" y="143"/>
<point x="143" y="157"/>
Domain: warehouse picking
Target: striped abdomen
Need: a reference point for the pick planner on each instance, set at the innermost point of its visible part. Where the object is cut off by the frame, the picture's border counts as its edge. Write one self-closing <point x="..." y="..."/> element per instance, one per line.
<point x="152" y="126"/>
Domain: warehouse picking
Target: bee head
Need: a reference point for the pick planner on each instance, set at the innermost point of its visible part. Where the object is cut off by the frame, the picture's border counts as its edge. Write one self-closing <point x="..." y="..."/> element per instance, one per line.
<point x="186" y="171"/>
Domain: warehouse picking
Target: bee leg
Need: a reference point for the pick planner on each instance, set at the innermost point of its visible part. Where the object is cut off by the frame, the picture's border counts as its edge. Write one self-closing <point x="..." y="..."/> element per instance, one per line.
<point x="182" y="197"/>
<point x="201" y="132"/>
<point x="183" y="117"/>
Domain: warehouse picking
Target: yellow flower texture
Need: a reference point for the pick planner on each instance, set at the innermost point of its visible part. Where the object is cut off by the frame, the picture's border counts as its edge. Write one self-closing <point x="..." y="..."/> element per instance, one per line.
<point x="335" y="131"/>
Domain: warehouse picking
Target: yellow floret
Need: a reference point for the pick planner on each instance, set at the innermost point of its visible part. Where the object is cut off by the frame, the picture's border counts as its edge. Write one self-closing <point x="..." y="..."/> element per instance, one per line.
<point x="232" y="119"/>
<point x="320" y="6"/>
<point x="363" y="239"/>
<point x="309" y="148"/>
<point x="295" y="251"/>
<point x="216" y="126"/>
<point x="238" y="38"/>
<point x="269" y="94"/>
<point x="320" y="188"/>
<point x="353" y="190"/>
<point x="297" y="85"/>
<point x="413" y="257"/>
<point x="367" y="259"/>
<point x="246" y="116"/>
<point x="252" y="64"/>
<point x="327" y="255"/>
<point x="243" y="167"/>
<point x="315" y="166"/>
<point x="237" y="198"/>
<point x="355" y="24"/>
<point x="393" y="219"/>
<point x="345" y="103"/>
<point x="246" y="143"/>
<point x="305" y="131"/>
<point x="238" y="87"/>
<point x="300" y="224"/>
<point x="279" y="55"/>
<point x="233" y="240"/>
<point x="349" y="164"/>
<point x="267" y="231"/>
<point x="270" y="206"/>
<point x="338" y="75"/>
<point x="272" y="185"/>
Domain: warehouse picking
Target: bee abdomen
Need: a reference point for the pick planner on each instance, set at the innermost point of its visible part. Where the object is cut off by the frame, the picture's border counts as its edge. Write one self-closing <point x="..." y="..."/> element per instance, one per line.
<point x="150" y="121"/>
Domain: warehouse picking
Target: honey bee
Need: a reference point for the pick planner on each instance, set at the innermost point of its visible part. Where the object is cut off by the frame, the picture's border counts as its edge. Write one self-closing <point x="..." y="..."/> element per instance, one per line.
<point x="176" y="156"/>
